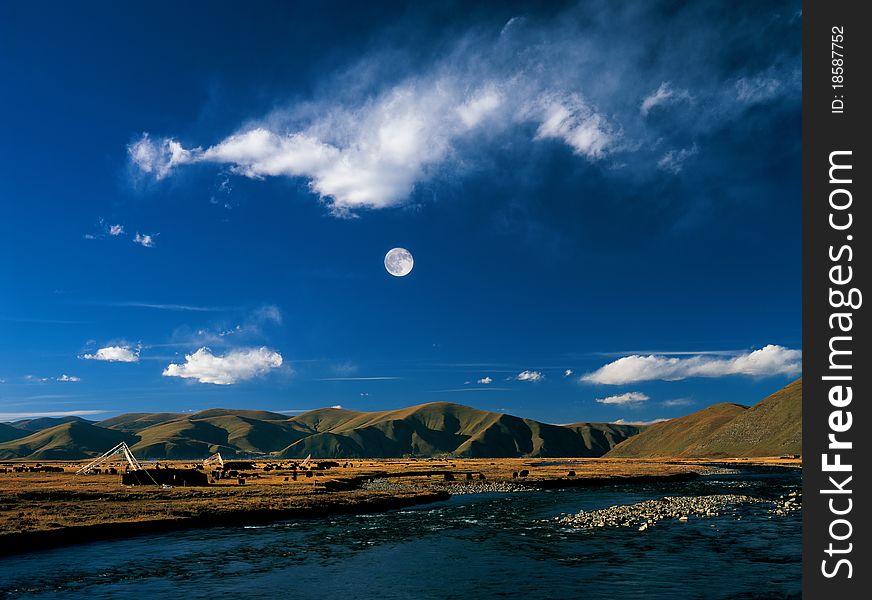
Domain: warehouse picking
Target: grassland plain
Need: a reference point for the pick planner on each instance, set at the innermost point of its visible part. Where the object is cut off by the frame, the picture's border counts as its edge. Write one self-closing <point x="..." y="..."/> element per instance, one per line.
<point x="45" y="509"/>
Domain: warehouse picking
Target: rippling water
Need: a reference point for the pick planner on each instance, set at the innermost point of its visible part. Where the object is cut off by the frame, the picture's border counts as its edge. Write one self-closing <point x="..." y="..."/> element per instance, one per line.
<point x="476" y="546"/>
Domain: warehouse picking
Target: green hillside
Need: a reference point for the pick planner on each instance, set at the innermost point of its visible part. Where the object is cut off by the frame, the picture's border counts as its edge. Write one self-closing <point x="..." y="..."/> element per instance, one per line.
<point x="772" y="427"/>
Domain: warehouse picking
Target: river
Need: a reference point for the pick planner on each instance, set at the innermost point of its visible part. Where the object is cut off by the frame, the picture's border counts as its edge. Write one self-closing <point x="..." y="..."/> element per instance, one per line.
<point x="471" y="546"/>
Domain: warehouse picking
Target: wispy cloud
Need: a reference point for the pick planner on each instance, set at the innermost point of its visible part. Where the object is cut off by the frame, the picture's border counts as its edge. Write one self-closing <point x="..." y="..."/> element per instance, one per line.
<point x="15" y="416"/>
<point x="671" y="352"/>
<point x="485" y="380"/>
<point x="673" y="161"/>
<point x="471" y="389"/>
<point x="377" y="378"/>
<point x="678" y="402"/>
<point x="663" y="96"/>
<point x="626" y="398"/>
<point x="69" y="378"/>
<point x="757" y="89"/>
<point x="165" y="306"/>
<point x="767" y="361"/>
<point x="105" y="229"/>
<point x="637" y="423"/>
<point x="234" y="366"/>
<point x="244" y="328"/>
<point x="378" y="129"/>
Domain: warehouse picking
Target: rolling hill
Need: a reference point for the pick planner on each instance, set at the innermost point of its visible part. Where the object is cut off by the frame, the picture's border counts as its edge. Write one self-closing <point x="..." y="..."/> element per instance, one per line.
<point x="443" y="428"/>
<point x="772" y="427"/>
<point x="439" y="428"/>
<point x="8" y="432"/>
<point x="40" y="423"/>
<point x="68" y="441"/>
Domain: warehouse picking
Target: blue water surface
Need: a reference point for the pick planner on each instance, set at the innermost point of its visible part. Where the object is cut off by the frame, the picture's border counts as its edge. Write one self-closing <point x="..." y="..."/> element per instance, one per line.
<point x="471" y="546"/>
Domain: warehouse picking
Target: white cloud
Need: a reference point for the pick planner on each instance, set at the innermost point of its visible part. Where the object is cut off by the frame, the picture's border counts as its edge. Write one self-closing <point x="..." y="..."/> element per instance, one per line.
<point x="662" y="96"/>
<point x="114" y="354"/>
<point x="626" y="398"/>
<point x="529" y="376"/>
<point x="673" y="161"/>
<point x="337" y="406"/>
<point x="767" y="361"/>
<point x="144" y="239"/>
<point x="567" y="373"/>
<point x="379" y="127"/>
<point x="371" y="154"/>
<point x="232" y="367"/>
<point x="157" y="158"/>
<point x="70" y="378"/>
<point x="485" y="381"/>
<point x="479" y="107"/>
<point x="651" y="422"/>
<point x="116" y="230"/>
<point x="570" y="119"/>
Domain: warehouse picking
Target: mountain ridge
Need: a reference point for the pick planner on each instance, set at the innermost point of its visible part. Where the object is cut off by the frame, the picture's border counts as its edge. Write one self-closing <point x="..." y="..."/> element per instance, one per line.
<point x="436" y="428"/>
<point x="772" y="426"/>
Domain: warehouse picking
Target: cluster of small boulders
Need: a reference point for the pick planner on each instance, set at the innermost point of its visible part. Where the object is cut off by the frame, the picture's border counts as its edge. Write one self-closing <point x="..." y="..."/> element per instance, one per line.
<point x="784" y="506"/>
<point x="482" y="487"/>
<point x="650" y="512"/>
<point x="452" y="486"/>
<point x="383" y="485"/>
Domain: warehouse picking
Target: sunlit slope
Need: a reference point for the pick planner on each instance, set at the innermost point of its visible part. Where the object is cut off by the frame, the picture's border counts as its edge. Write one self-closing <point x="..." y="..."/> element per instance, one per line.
<point x="229" y="434"/>
<point x="68" y="441"/>
<point x="40" y="423"/>
<point x="137" y="421"/>
<point x="438" y="428"/>
<point x="772" y="427"/>
<point x="434" y="429"/>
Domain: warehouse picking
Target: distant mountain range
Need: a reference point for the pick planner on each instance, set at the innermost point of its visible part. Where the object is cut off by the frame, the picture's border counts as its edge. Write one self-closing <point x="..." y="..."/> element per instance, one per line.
<point x="772" y="427"/>
<point x="438" y="428"/>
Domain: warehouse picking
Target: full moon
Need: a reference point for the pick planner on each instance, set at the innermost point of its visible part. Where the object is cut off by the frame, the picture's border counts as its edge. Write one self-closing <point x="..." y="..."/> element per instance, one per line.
<point x="399" y="262"/>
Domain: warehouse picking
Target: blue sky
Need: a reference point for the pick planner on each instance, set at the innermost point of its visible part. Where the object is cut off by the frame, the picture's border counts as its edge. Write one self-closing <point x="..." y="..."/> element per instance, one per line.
<point x="197" y="200"/>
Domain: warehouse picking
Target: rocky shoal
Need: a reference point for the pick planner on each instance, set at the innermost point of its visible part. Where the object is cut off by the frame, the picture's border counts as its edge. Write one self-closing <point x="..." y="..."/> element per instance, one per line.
<point x="682" y="508"/>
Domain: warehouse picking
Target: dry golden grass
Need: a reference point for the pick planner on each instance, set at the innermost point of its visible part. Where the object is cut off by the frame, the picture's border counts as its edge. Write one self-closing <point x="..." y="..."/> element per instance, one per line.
<point x="34" y="502"/>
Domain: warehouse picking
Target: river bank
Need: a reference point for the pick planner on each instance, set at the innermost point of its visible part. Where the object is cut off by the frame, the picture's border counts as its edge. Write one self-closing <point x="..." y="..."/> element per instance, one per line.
<point x="40" y="510"/>
<point x="470" y="546"/>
